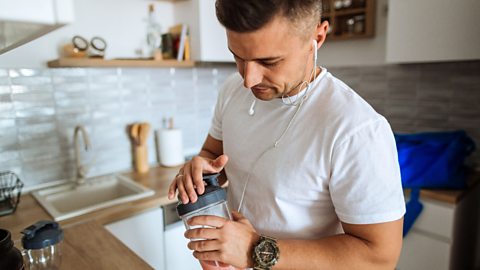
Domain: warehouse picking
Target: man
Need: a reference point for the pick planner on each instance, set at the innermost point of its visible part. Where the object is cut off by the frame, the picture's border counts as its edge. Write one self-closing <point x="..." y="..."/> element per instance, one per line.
<point x="308" y="161"/>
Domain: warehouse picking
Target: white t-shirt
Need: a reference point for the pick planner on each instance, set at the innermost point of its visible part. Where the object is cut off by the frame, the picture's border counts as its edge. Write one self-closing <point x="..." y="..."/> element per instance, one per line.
<point x="337" y="162"/>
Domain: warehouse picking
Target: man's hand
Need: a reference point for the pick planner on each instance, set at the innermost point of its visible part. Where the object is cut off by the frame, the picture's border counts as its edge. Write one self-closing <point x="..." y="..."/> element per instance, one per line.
<point x="190" y="178"/>
<point x="229" y="242"/>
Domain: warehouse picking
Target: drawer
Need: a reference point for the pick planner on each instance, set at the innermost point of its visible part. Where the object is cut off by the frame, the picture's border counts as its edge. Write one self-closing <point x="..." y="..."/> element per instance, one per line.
<point x="421" y="252"/>
<point x="436" y="218"/>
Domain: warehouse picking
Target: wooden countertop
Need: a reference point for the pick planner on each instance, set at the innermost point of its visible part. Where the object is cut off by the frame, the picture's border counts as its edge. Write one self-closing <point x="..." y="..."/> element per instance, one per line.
<point x="158" y="179"/>
<point x="450" y="196"/>
<point x="90" y="246"/>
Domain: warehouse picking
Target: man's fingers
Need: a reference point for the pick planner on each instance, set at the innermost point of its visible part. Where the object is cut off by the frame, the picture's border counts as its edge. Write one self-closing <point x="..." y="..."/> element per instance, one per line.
<point x="240" y="218"/>
<point x="206" y="220"/>
<point x="219" y="162"/>
<point x="171" y="189"/>
<point x="188" y="183"/>
<point x="236" y="215"/>
<point x="202" y="233"/>
<point x="182" y="194"/>
<point x="204" y="245"/>
<point x="208" y="257"/>
<point x="197" y="171"/>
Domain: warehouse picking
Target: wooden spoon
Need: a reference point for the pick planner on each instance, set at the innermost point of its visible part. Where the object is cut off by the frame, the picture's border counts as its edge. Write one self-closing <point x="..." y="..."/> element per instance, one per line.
<point x="134" y="133"/>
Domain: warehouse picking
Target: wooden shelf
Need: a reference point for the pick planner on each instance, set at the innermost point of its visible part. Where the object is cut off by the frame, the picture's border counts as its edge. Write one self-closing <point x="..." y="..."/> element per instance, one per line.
<point x="349" y="11"/>
<point x="348" y="36"/>
<point x="97" y="62"/>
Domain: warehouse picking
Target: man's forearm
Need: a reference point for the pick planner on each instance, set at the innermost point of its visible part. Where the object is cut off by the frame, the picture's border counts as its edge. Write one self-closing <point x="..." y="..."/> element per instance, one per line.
<point x="362" y="246"/>
<point x="336" y="252"/>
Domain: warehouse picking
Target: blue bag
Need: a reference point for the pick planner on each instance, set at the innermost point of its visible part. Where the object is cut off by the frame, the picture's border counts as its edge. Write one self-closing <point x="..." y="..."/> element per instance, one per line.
<point x="431" y="160"/>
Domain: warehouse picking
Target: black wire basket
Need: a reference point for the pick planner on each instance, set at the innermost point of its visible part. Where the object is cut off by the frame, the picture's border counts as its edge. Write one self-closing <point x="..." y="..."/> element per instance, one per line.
<point x="10" y="191"/>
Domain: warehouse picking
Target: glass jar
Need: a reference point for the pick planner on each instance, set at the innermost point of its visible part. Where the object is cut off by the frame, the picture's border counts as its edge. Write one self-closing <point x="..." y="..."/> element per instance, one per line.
<point x="346" y="3"/>
<point x="212" y="202"/>
<point x="338" y="4"/>
<point x="42" y="246"/>
<point x="10" y="257"/>
<point x="359" y="26"/>
<point x="350" y="24"/>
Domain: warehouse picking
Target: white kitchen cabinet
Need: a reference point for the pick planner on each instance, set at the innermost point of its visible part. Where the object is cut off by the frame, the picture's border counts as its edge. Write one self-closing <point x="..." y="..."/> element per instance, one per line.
<point x="24" y="20"/>
<point x="444" y="236"/>
<point x="432" y="30"/>
<point x="421" y="251"/>
<point x="428" y="244"/>
<point x="144" y="235"/>
<point x="207" y="35"/>
<point x="178" y="256"/>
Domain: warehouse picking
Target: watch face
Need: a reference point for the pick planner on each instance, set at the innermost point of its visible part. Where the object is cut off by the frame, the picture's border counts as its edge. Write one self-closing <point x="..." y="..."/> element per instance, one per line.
<point x="266" y="252"/>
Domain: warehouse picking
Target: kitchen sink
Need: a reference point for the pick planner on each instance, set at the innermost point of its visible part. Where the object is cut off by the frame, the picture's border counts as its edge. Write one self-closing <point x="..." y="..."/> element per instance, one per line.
<point x="71" y="200"/>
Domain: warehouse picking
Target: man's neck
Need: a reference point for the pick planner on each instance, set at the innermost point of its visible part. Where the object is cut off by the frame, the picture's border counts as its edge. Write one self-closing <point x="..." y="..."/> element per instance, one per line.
<point x="303" y="85"/>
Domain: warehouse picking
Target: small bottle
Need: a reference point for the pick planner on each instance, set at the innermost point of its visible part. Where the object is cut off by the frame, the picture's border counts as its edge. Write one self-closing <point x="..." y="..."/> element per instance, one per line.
<point x="42" y="243"/>
<point x="10" y="257"/>
<point x="154" y="34"/>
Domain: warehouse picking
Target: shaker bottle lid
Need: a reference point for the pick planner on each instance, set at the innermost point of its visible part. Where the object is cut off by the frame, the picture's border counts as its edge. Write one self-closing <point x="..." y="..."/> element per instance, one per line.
<point x="42" y="234"/>
<point x="213" y="194"/>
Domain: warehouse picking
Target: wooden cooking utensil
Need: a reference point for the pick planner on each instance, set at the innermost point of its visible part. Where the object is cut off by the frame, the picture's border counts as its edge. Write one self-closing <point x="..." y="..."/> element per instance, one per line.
<point x="138" y="133"/>
<point x="134" y="133"/>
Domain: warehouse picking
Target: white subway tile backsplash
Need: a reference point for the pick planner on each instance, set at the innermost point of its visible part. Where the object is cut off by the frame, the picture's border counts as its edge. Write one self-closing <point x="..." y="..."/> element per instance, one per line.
<point x="8" y="155"/>
<point x="5" y="89"/>
<point x="30" y="81"/>
<point x="68" y="72"/>
<point x="39" y="109"/>
<point x="35" y="112"/>
<point x="8" y="146"/>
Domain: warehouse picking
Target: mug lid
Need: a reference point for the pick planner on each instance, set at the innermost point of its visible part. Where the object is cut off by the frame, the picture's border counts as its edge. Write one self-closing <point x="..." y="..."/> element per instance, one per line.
<point x="213" y="194"/>
<point x="42" y="234"/>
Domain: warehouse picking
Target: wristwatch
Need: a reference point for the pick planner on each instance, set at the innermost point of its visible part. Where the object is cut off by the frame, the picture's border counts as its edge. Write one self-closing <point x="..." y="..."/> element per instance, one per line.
<point x="265" y="253"/>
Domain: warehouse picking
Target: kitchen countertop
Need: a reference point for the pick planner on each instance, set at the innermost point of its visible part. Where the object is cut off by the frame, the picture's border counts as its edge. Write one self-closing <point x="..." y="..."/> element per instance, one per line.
<point x="157" y="178"/>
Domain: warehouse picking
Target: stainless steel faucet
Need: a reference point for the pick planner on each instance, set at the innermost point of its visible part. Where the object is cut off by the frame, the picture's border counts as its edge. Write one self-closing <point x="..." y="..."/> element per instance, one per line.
<point x="81" y="171"/>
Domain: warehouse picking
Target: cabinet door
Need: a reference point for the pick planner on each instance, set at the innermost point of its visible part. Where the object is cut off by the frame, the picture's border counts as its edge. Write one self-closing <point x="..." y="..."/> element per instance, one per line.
<point x="177" y="255"/>
<point x="432" y="30"/>
<point x="214" y="45"/>
<point x="143" y="234"/>
<point x="421" y="251"/>
<point x="437" y="218"/>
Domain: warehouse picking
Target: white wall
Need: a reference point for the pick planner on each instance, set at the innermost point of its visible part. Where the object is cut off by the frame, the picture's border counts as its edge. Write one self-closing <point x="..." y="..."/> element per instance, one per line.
<point x="358" y="52"/>
<point x="120" y="22"/>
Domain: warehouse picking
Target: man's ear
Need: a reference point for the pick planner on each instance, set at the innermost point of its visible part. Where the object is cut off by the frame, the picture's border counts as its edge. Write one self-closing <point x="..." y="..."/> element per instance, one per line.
<point x="321" y="33"/>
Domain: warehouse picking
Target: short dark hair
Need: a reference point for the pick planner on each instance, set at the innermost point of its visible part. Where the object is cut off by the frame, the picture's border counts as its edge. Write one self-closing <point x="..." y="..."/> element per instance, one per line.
<point x="249" y="15"/>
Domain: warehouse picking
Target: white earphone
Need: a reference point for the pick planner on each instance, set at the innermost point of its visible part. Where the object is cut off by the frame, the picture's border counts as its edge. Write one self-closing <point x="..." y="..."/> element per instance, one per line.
<point x="251" y="111"/>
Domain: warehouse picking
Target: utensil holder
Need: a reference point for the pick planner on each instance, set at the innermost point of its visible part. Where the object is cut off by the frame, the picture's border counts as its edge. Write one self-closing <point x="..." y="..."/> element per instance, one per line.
<point x="10" y="191"/>
<point x="140" y="158"/>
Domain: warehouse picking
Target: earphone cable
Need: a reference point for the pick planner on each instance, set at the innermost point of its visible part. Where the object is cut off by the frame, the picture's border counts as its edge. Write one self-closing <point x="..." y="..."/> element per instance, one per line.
<point x="302" y="100"/>
<point x="304" y="97"/>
